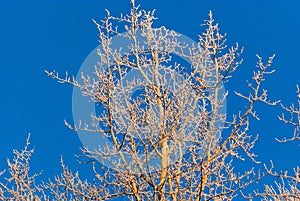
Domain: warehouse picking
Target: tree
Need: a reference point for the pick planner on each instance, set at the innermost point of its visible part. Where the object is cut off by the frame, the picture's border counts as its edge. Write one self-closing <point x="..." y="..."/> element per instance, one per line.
<point x="171" y="138"/>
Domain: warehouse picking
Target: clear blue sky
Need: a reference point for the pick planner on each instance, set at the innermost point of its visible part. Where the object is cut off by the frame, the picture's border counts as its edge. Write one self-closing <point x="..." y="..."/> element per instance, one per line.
<point x="51" y="34"/>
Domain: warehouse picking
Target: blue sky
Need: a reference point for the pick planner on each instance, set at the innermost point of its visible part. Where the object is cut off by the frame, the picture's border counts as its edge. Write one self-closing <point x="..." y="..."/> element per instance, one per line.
<point x="38" y="35"/>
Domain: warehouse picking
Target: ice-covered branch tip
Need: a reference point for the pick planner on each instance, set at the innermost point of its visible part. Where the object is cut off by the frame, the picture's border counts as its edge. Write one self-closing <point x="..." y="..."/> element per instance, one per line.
<point x="293" y="119"/>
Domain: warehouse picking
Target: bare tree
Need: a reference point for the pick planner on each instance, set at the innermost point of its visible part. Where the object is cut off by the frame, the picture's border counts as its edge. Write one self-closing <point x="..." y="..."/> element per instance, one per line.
<point x="171" y="138"/>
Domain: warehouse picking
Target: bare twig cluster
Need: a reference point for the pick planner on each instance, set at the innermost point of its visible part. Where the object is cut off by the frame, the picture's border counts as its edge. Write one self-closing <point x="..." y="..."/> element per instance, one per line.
<point x="287" y="185"/>
<point x="19" y="184"/>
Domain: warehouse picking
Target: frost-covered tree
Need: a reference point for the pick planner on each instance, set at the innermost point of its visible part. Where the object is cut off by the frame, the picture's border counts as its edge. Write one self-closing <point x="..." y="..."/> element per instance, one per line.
<point x="171" y="137"/>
